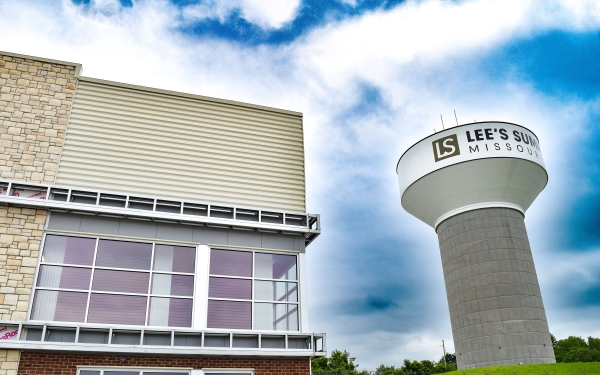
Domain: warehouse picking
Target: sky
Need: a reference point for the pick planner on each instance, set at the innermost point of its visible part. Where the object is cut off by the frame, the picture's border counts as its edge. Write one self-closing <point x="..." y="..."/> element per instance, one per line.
<point x="373" y="77"/>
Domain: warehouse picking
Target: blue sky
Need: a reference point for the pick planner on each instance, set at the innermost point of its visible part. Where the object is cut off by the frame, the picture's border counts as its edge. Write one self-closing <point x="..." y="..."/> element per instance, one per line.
<point x="372" y="77"/>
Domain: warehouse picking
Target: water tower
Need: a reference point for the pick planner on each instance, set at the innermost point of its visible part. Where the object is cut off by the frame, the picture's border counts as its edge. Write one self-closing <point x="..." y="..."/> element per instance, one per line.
<point x="472" y="184"/>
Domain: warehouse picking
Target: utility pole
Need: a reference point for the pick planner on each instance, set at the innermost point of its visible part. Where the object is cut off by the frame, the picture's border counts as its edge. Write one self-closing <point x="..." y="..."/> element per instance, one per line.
<point x="444" y="348"/>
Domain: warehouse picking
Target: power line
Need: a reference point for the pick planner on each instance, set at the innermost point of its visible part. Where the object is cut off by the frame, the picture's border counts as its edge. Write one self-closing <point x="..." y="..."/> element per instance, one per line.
<point x="387" y="342"/>
<point x="395" y="347"/>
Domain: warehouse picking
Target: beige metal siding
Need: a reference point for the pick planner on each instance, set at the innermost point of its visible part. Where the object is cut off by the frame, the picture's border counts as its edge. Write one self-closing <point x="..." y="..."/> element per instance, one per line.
<point x="141" y="141"/>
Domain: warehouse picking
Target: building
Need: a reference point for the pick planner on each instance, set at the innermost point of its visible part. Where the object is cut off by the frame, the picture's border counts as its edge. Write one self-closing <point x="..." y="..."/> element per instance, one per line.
<point x="148" y="231"/>
<point x="472" y="184"/>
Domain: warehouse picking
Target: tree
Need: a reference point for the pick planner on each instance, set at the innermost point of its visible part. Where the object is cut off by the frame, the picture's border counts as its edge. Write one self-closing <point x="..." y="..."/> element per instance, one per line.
<point x="576" y="349"/>
<point x="570" y="343"/>
<point x="440" y="368"/>
<point x="450" y="358"/>
<point x="428" y="366"/>
<point x="387" y="370"/>
<point x="449" y="365"/>
<point x="338" y="361"/>
<point x="414" y="366"/>
<point x="594" y="343"/>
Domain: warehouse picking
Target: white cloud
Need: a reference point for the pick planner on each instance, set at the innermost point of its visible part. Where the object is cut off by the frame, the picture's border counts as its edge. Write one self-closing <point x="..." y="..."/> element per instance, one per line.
<point x="349" y="2"/>
<point x="377" y="44"/>
<point x="267" y="14"/>
<point x="105" y="6"/>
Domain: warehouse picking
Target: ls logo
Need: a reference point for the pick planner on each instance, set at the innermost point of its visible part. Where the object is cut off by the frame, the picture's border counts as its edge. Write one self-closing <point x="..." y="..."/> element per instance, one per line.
<point x="446" y="147"/>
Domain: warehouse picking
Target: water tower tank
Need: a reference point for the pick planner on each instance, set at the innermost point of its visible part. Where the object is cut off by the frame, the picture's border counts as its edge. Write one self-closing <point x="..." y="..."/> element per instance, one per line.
<point x="472" y="184"/>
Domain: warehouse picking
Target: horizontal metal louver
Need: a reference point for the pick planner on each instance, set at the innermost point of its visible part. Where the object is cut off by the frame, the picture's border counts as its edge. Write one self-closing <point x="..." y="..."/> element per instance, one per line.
<point x="142" y="141"/>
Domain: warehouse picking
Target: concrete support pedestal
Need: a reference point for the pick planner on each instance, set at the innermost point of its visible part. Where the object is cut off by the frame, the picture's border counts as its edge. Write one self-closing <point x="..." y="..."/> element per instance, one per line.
<point x="495" y="303"/>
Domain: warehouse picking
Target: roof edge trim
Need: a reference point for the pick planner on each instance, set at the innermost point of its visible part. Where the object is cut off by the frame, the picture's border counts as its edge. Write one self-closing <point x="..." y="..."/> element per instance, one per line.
<point x="78" y="66"/>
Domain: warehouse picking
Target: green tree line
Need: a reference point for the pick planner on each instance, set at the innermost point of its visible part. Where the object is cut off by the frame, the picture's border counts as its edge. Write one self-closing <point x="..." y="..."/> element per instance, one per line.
<point x="571" y="349"/>
<point x="340" y="362"/>
<point x="576" y="349"/>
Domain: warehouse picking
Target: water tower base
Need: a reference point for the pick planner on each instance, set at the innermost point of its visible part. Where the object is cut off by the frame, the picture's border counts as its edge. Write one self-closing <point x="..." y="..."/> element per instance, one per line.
<point x="495" y="303"/>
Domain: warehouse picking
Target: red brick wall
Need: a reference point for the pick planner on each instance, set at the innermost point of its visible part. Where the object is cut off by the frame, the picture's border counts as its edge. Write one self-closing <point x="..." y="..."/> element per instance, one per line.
<point x="66" y="364"/>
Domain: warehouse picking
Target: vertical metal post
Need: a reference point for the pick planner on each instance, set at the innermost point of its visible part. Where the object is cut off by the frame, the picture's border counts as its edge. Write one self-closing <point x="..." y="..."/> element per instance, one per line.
<point x="444" y="348"/>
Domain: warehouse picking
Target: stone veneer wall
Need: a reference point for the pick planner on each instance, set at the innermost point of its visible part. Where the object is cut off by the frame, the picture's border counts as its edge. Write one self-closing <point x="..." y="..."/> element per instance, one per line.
<point x="496" y="308"/>
<point x="9" y="360"/>
<point x="20" y="237"/>
<point x="66" y="363"/>
<point x="35" y="102"/>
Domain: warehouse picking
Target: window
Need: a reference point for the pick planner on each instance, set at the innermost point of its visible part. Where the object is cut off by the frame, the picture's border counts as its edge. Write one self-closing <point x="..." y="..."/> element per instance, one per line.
<point x="159" y="371"/>
<point x="130" y="371"/>
<point x="209" y="371"/>
<point x="97" y="280"/>
<point x="252" y="290"/>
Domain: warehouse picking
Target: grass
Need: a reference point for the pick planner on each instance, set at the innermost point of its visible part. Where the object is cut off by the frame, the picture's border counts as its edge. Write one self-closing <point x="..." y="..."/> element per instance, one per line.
<point x="589" y="368"/>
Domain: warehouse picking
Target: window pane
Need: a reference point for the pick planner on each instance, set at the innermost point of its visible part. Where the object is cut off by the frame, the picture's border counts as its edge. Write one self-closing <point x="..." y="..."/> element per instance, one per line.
<point x="220" y="287"/>
<point x="159" y="312"/>
<point x="229" y="314"/>
<point x="275" y="266"/>
<point x="182" y="285"/>
<point x="121" y="254"/>
<point x="173" y="285"/>
<point x="276" y="316"/>
<point x="172" y="312"/>
<point x="44" y="305"/>
<point x="64" y="277"/>
<point x="180" y="312"/>
<point x="174" y="258"/>
<point x="70" y="307"/>
<point x="275" y="291"/>
<point x="120" y="281"/>
<point x="121" y="372"/>
<point x="109" y="308"/>
<point x="69" y="250"/>
<point x="59" y="306"/>
<point x="287" y="317"/>
<point x="89" y="372"/>
<point x="231" y="263"/>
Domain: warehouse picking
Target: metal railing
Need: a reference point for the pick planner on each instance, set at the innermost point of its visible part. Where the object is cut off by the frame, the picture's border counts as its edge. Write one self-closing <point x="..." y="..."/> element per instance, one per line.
<point x="132" y="339"/>
<point x="111" y="204"/>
